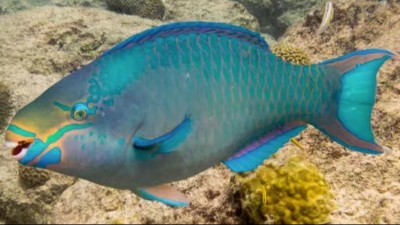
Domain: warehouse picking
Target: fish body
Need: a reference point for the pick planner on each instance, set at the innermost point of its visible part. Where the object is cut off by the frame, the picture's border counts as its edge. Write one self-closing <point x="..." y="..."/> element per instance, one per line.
<point x="175" y="100"/>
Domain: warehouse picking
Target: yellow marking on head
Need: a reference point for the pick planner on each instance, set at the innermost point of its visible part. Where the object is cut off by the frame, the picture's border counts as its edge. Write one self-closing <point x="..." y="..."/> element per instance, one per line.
<point x="13" y="137"/>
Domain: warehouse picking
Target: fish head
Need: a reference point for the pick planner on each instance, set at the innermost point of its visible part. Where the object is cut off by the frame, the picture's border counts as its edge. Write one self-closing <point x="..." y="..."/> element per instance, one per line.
<point x="65" y="130"/>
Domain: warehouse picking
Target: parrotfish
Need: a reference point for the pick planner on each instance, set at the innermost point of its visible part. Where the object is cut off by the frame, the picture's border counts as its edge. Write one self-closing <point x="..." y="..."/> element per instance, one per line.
<point x="172" y="101"/>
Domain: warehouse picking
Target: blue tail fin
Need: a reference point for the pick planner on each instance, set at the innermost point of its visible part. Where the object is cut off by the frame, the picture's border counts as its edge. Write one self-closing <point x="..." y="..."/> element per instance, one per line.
<point x="350" y="125"/>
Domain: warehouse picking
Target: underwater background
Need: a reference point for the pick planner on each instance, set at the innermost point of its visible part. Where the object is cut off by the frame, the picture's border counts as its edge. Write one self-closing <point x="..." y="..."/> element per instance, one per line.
<point x="42" y="41"/>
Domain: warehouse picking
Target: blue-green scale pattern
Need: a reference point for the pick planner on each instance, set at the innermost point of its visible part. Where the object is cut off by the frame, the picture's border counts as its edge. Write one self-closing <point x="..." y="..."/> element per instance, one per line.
<point x="235" y="91"/>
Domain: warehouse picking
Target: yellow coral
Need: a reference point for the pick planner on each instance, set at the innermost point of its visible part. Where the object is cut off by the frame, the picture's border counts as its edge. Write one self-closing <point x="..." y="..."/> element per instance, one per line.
<point x="295" y="193"/>
<point x="291" y="54"/>
<point x="117" y="221"/>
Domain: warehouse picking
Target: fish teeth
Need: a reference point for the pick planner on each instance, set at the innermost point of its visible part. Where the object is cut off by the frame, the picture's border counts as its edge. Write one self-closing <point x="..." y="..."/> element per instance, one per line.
<point x="10" y="144"/>
<point x="21" y="154"/>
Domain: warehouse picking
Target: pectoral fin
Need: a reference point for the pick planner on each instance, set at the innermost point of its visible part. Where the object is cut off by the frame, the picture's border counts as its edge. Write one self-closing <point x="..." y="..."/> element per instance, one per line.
<point x="164" y="194"/>
<point x="167" y="142"/>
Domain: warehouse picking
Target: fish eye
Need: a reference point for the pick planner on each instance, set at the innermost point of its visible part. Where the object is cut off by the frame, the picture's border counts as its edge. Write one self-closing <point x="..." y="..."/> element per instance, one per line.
<point x="80" y="115"/>
<point x="79" y="112"/>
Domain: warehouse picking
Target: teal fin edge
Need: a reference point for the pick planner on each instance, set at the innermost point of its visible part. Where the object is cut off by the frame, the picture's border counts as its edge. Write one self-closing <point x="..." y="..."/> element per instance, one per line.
<point x="252" y="159"/>
<point x="357" y="99"/>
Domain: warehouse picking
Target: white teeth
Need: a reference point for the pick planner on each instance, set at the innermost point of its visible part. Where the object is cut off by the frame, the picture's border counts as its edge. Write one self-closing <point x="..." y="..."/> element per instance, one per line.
<point x="10" y="144"/>
<point x="21" y="154"/>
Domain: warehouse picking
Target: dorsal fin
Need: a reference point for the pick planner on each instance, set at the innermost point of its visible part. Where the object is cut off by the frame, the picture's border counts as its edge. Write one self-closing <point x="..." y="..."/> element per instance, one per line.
<point x="192" y="27"/>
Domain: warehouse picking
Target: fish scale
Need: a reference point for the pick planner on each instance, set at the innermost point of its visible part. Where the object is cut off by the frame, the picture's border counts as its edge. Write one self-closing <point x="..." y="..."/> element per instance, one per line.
<point x="230" y="127"/>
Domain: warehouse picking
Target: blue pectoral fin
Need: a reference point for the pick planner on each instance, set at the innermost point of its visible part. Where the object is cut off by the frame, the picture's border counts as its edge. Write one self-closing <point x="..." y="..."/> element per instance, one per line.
<point x="350" y="125"/>
<point x="254" y="154"/>
<point x="167" y="142"/>
<point x="164" y="194"/>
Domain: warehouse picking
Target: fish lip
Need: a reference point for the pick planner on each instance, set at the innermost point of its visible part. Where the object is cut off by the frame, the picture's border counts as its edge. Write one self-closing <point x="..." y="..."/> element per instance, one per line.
<point x="20" y="155"/>
<point x="19" y="149"/>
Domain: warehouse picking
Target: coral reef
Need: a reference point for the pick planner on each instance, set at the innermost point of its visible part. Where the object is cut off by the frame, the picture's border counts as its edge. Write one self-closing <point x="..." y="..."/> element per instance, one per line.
<point x="211" y="203"/>
<point x="10" y="6"/>
<point x="215" y="10"/>
<point x="276" y="16"/>
<point x="24" y="204"/>
<point x="6" y="106"/>
<point x="71" y="42"/>
<point x="153" y="9"/>
<point x="291" y="53"/>
<point x="32" y="177"/>
<point x="295" y="193"/>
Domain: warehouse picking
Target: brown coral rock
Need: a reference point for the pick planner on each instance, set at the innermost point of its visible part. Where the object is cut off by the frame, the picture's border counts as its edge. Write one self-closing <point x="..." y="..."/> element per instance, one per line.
<point x="152" y="9"/>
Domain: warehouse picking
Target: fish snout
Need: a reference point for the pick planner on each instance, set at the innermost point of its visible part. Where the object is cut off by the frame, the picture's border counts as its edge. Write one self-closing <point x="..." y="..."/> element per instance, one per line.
<point x="18" y="148"/>
<point x="18" y="144"/>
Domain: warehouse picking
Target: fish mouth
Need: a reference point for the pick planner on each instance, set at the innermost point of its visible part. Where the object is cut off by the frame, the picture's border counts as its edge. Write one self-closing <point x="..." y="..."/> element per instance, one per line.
<point x="19" y="149"/>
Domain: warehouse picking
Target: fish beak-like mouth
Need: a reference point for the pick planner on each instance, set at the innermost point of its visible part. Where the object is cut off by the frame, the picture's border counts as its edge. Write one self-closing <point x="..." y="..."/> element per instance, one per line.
<point x="19" y="149"/>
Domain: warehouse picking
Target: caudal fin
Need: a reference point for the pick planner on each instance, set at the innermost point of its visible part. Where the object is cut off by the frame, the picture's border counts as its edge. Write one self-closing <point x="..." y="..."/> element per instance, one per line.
<point x="350" y="125"/>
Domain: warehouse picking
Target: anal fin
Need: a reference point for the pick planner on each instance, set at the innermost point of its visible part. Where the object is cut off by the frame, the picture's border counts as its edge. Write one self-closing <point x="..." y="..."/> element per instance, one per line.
<point x="254" y="154"/>
<point x="163" y="193"/>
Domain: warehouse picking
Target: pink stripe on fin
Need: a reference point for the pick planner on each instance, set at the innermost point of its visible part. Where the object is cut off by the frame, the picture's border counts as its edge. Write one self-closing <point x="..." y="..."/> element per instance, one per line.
<point x="335" y="130"/>
<point x="265" y="139"/>
<point x="254" y="154"/>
